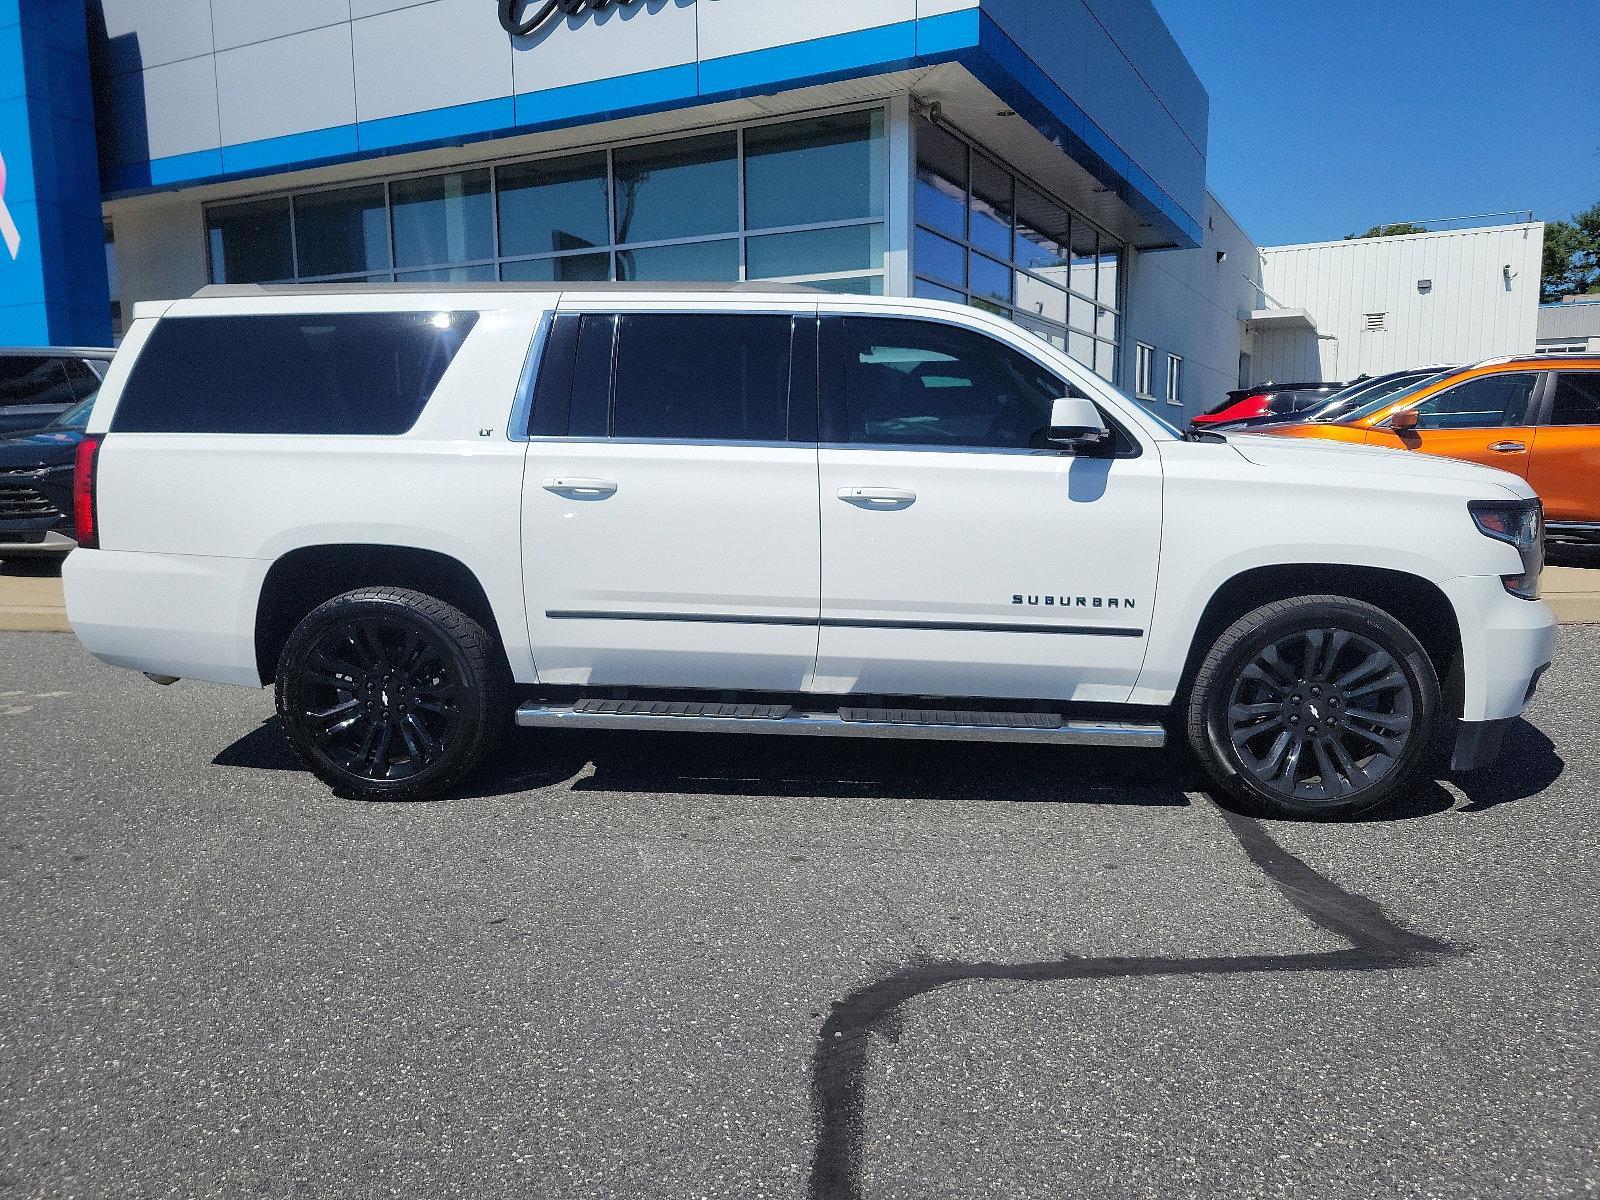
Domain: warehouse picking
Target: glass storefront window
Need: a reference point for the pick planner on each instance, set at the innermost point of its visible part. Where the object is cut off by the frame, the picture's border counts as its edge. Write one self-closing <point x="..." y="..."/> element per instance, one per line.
<point x="817" y="252"/>
<point x="685" y="261"/>
<point x="992" y="205"/>
<point x="553" y="205"/>
<point x="250" y="243"/>
<point x="683" y="188"/>
<point x="813" y="192"/>
<point x="987" y="238"/>
<point x="342" y="232"/>
<point x="569" y="268"/>
<point x="443" y="219"/>
<point x="784" y="163"/>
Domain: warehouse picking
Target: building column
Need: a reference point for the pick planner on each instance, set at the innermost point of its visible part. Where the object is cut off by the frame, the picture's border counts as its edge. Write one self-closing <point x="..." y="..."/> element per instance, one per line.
<point x="53" y="285"/>
<point x="900" y="198"/>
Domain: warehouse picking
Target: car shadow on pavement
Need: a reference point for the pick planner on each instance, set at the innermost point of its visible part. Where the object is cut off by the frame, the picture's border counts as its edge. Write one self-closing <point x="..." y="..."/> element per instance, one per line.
<point x="795" y="767"/>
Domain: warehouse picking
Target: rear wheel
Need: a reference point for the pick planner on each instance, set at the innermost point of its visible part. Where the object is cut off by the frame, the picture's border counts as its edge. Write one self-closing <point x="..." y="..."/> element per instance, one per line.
<point x="1319" y="706"/>
<point x="389" y="694"/>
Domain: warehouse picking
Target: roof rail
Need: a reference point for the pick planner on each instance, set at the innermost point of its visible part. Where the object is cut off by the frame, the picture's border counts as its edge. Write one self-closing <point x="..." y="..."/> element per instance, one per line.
<point x="214" y="291"/>
<point x="1533" y="356"/>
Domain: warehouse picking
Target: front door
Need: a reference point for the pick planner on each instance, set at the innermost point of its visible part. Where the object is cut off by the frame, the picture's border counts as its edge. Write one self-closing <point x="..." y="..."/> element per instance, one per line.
<point x="669" y="522"/>
<point x="958" y="560"/>
<point x="1486" y="420"/>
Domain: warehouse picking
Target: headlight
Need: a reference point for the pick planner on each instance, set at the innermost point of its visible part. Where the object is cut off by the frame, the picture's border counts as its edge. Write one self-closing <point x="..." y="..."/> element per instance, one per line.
<point x="1518" y="523"/>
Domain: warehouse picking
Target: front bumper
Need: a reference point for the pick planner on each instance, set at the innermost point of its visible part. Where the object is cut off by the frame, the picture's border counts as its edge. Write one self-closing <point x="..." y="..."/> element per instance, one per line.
<point x="1506" y="643"/>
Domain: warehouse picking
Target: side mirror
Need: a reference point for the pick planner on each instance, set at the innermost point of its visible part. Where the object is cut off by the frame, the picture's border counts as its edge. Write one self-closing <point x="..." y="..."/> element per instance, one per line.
<point x="1075" y="427"/>
<point x="1404" y="421"/>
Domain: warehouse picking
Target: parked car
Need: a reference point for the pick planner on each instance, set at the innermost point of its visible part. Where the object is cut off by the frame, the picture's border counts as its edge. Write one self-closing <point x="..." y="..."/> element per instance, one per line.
<point x="749" y="510"/>
<point x="38" y="385"/>
<point x="1535" y="416"/>
<point x="1264" y="404"/>
<point x="36" y="485"/>
<point x="1372" y="388"/>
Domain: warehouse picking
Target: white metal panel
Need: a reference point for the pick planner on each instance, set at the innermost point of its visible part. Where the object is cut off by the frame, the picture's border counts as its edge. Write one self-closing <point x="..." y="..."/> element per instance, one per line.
<point x="1481" y="299"/>
<point x="739" y="26"/>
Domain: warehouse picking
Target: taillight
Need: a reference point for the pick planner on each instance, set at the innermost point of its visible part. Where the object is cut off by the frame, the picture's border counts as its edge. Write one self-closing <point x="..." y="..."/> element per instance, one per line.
<point x="1251" y="406"/>
<point x="85" y="508"/>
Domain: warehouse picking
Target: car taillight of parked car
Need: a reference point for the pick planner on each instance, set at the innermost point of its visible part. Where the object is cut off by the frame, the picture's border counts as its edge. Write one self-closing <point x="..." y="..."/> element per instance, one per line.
<point x="85" y="508"/>
<point x="1257" y="405"/>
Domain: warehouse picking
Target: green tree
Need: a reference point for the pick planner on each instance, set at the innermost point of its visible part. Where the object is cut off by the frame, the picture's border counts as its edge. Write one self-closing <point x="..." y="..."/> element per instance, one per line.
<point x="1397" y="230"/>
<point x="1571" y="256"/>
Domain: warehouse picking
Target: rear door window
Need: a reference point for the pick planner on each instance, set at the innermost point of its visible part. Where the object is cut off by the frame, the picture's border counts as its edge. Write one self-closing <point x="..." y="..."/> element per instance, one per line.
<point x="1577" y="399"/>
<point x="702" y="377"/>
<point x="323" y="373"/>
<point x="1488" y="402"/>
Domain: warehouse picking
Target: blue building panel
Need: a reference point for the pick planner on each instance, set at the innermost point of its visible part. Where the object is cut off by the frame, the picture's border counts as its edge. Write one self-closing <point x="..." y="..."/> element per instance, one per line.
<point x="53" y="286"/>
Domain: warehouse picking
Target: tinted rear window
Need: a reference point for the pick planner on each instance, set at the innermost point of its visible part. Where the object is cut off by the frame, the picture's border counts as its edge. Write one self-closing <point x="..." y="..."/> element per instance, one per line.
<point x="326" y="373"/>
<point x="702" y="377"/>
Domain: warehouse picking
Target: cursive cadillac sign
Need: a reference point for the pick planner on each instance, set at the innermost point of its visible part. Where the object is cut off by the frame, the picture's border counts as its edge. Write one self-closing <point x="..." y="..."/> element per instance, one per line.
<point x="522" y="18"/>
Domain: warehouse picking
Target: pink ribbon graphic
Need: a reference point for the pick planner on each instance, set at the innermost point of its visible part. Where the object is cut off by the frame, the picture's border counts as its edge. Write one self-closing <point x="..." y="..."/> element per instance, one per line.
<point x="8" y="228"/>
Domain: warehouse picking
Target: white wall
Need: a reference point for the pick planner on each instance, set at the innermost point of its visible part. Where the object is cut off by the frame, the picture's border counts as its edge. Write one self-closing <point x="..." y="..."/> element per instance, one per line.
<point x="1185" y="302"/>
<point x="1484" y="301"/>
<point x="160" y="250"/>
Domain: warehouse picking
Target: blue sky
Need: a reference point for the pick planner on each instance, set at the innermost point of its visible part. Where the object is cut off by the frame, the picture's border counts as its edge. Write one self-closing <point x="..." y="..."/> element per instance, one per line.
<point x="1324" y="125"/>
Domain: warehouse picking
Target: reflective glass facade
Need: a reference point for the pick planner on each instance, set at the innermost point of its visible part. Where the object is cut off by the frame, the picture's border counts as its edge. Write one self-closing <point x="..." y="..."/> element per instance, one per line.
<point x="989" y="238"/>
<point x="800" y="201"/>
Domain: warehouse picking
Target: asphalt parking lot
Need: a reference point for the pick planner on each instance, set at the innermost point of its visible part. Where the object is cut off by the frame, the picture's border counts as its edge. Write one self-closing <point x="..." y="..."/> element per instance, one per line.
<point x="652" y="967"/>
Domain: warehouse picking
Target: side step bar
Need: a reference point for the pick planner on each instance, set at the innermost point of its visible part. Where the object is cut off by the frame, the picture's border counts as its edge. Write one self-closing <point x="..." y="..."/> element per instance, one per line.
<point x="915" y="724"/>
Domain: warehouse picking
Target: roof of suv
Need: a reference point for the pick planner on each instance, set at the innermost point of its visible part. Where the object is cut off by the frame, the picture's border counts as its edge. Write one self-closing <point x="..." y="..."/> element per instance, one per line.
<point x="225" y="291"/>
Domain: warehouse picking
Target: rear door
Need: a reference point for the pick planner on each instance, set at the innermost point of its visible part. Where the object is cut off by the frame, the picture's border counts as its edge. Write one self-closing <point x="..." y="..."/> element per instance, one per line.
<point x="957" y="559"/>
<point x="1565" y="469"/>
<point x="670" y="500"/>
<point x="1488" y="420"/>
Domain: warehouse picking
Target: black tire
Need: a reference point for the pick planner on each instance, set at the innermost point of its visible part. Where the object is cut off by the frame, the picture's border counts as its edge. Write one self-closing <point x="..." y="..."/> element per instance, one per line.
<point x="1343" y="681"/>
<point x="389" y="694"/>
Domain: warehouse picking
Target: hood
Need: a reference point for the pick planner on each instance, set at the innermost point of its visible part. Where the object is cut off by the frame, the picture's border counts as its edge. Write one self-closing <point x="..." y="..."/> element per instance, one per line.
<point x="42" y="448"/>
<point x="1312" y="454"/>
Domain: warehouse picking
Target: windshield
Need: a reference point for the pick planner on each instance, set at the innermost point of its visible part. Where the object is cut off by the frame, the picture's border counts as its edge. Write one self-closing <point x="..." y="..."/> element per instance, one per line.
<point x="1382" y="402"/>
<point x="1341" y="404"/>
<point x="76" y="417"/>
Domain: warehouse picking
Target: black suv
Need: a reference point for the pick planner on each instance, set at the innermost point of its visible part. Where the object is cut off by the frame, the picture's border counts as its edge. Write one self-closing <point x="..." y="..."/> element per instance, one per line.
<point x="38" y="385"/>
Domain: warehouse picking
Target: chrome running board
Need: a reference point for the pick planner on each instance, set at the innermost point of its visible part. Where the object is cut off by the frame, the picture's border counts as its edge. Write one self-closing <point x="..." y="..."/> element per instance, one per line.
<point x="913" y="724"/>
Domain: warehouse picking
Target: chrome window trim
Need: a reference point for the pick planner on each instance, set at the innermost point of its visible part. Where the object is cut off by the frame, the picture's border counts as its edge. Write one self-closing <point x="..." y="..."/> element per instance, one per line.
<point x="522" y="407"/>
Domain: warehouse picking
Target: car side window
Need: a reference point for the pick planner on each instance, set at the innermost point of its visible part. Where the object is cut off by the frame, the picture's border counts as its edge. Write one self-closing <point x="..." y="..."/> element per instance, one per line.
<point x="1488" y="402"/>
<point x="1577" y="399"/>
<point x="28" y="379"/>
<point x="702" y="377"/>
<point x="902" y="382"/>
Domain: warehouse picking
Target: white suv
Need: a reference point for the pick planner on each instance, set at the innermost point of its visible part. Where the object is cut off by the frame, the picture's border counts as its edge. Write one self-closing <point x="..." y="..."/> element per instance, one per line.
<point x="423" y="511"/>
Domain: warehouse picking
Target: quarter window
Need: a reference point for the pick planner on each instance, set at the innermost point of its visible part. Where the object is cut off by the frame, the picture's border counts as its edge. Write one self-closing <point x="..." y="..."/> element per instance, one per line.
<point x="329" y="373"/>
<point x="702" y="377"/>
<point x="919" y="383"/>
<point x="1487" y="402"/>
<point x="1577" y="399"/>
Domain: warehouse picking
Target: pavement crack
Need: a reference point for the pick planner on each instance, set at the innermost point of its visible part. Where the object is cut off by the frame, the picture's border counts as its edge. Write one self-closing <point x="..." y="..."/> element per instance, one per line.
<point x="838" y="1062"/>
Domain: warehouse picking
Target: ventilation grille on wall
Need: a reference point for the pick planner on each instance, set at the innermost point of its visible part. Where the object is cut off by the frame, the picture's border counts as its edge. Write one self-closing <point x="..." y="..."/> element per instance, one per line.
<point x="1377" y="322"/>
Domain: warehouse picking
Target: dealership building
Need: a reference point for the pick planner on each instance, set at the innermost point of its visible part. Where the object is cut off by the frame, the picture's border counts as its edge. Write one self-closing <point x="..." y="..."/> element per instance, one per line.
<point x="1043" y="161"/>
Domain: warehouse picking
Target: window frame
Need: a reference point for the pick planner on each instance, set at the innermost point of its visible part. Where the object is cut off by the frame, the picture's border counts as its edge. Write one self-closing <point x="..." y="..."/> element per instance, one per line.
<point x="1174" y="380"/>
<point x="1144" y="371"/>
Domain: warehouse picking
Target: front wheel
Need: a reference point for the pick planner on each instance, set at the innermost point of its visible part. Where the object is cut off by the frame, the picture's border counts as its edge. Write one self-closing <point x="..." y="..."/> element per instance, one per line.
<point x="1319" y="706"/>
<point x="389" y="694"/>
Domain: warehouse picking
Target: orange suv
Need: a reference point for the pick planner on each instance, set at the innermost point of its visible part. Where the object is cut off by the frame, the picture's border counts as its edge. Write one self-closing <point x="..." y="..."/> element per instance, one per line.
<point x="1536" y="416"/>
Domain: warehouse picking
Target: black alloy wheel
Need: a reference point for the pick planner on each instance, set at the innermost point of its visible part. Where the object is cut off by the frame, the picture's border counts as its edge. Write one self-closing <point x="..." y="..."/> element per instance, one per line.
<point x="391" y="694"/>
<point x="1318" y="706"/>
